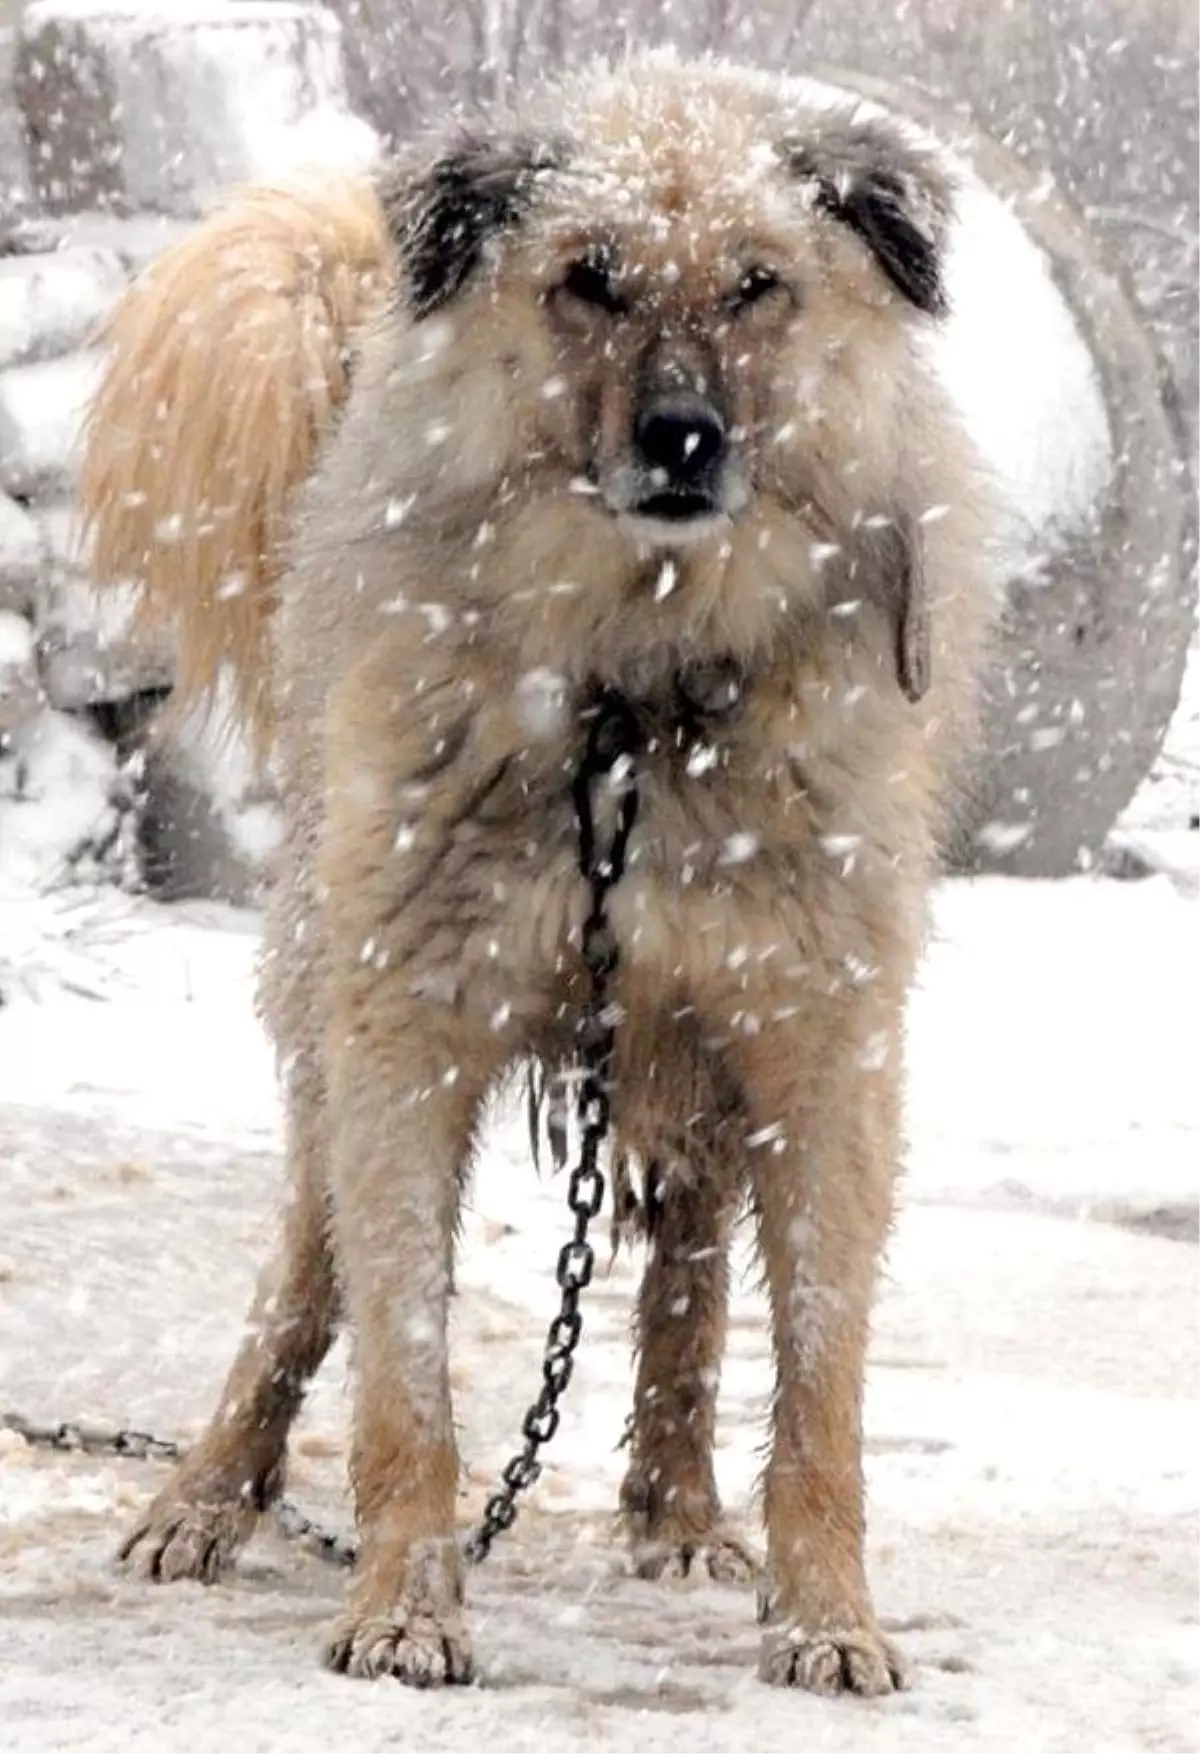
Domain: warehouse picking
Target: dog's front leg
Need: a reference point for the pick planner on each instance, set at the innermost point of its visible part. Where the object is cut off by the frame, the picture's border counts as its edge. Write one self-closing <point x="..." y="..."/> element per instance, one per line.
<point x="402" y="1126"/>
<point x="406" y="1075"/>
<point x="822" y="1148"/>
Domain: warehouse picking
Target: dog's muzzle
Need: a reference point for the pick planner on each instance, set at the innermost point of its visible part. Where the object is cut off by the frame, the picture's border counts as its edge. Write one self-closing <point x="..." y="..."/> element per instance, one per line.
<point x="680" y="447"/>
<point x="678" y="479"/>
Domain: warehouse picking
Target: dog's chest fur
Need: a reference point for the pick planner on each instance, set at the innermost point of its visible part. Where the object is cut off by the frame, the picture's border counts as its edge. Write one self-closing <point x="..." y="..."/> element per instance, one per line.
<point x="741" y="884"/>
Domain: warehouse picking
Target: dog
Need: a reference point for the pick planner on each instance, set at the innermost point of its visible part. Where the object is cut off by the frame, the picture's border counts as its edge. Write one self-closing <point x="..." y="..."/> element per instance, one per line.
<point x="631" y="399"/>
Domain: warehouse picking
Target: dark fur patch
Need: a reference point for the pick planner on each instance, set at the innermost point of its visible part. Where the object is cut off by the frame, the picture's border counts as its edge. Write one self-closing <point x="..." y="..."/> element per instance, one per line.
<point x="890" y="193"/>
<point x="442" y="220"/>
<point x="892" y="570"/>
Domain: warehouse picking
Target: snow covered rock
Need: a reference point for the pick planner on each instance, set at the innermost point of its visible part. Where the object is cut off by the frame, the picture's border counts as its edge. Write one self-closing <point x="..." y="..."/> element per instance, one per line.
<point x="134" y="240"/>
<point x="87" y="653"/>
<point x="58" y="520"/>
<point x="20" y="555"/>
<point x="58" y="784"/>
<point x="133" y="104"/>
<point x="50" y="304"/>
<point x="20" y="689"/>
<point x="41" y="415"/>
<point x="210" y="820"/>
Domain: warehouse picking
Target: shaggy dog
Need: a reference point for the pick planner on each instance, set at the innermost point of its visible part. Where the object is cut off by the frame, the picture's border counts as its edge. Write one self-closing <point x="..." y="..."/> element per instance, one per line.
<point x="633" y="401"/>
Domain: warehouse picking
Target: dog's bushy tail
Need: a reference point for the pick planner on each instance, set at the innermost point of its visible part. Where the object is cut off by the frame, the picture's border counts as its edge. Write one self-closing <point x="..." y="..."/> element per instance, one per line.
<point x="228" y="358"/>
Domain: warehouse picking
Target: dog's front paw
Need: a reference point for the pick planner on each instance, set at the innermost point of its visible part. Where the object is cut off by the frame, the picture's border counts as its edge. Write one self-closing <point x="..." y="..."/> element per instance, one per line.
<point x="850" y="1656"/>
<point x="419" y="1648"/>
<point x="186" y="1535"/>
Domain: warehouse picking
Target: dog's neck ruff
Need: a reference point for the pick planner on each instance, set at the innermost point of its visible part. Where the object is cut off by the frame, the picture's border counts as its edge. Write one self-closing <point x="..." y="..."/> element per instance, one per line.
<point x="700" y="695"/>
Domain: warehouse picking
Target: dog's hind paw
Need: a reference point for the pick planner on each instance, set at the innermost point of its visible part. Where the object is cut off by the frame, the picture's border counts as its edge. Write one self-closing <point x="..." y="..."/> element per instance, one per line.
<point x="422" y="1650"/>
<point x="719" y="1556"/>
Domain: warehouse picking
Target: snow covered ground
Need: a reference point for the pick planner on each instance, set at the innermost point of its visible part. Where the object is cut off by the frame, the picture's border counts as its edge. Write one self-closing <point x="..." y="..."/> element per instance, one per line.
<point x="1033" y="1440"/>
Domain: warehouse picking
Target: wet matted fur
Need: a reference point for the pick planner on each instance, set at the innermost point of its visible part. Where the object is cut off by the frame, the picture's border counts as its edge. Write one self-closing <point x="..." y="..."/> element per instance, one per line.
<point x="639" y="400"/>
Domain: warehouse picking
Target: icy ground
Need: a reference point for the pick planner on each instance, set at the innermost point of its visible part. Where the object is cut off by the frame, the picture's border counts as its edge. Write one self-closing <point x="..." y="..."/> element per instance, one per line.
<point x="1033" y="1440"/>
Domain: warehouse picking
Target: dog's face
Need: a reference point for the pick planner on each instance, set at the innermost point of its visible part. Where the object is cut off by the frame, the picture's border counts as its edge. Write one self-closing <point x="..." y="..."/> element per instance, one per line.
<point x="686" y="314"/>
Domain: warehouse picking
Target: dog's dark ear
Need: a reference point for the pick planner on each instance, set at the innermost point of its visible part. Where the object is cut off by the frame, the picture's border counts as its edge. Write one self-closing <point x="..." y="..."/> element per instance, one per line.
<point x="442" y="218"/>
<point x="890" y="191"/>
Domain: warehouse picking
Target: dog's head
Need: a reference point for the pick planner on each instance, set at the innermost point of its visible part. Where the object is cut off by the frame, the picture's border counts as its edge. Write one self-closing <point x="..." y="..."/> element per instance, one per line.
<point x="685" y="314"/>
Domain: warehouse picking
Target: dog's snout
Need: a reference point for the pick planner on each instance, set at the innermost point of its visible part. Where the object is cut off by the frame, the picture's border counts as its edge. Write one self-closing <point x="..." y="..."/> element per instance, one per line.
<point x="684" y="436"/>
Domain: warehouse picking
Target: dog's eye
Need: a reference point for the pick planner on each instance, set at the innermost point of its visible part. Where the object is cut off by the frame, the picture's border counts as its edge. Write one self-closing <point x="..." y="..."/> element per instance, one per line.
<point x="590" y="281"/>
<point x="756" y="284"/>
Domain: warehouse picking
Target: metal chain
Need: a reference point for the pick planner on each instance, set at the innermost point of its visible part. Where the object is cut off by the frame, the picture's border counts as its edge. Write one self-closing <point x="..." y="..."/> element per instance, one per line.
<point x="613" y="741"/>
<point x="75" y="1437"/>
<point x="93" y="1440"/>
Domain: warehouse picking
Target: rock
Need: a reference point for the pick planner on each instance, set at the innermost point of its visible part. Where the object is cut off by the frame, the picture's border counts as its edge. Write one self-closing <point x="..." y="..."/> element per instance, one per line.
<point x="20" y="690"/>
<point x="62" y="539"/>
<point x="50" y="304"/>
<point x="241" y="91"/>
<point x="20" y="555"/>
<point x="41" y="415"/>
<point x="197" y="841"/>
<point x="207" y="818"/>
<point x="58" y="818"/>
<point x="134" y="240"/>
<point x="87" y="652"/>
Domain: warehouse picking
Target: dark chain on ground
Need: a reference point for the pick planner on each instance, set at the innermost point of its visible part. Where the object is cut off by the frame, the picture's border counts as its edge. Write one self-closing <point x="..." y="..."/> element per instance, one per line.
<point x="79" y="1438"/>
<point x="613" y="742"/>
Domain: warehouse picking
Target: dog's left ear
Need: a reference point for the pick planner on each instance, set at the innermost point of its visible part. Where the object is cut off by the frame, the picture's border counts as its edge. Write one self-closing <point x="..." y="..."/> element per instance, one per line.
<point x="891" y="192"/>
<point x="442" y="218"/>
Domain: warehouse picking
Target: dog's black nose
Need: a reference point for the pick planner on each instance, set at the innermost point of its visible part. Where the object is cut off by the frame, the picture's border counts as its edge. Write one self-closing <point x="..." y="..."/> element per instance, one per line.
<point x="682" y="435"/>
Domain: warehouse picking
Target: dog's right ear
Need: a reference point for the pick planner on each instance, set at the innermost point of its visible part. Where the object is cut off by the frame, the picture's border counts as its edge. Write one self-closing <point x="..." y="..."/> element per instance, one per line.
<point x="442" y="218"/>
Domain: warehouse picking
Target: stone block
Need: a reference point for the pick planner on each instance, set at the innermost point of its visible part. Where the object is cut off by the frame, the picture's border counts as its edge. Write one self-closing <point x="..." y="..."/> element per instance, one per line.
<point x="21" y="555"/>
<point x="162" y="106"/>
<point x="52" y="304"/>
<point x="88" y="652"/>
<point x="20" y="689"/>
<point x="41" y="420"/>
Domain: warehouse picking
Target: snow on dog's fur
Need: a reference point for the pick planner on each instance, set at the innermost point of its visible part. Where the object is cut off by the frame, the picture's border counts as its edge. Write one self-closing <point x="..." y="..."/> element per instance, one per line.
<point x="637" y="402"/>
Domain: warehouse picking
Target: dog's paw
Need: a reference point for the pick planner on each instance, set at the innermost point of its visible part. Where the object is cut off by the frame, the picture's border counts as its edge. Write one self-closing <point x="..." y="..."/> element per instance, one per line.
<point x="831" y="1659"/>
<point x="719" y="1556"/>
<point x="421" y="1649"/>
<point x="181" y="1537"/>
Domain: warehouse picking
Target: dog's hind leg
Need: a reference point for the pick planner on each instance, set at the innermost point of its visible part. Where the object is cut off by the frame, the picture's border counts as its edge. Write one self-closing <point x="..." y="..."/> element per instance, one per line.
<point x="210" y="1506"/>
<point x="669" y="1501"/>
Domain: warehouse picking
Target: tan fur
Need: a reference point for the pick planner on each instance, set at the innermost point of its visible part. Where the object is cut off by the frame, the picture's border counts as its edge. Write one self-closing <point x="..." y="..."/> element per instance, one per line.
<point x="452" y="598"/>
<point x="228" y="362"/>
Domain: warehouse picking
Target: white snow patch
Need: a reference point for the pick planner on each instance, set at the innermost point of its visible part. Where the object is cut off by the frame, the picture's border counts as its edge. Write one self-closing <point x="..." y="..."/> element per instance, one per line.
<point x="1032" y="1434"/>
